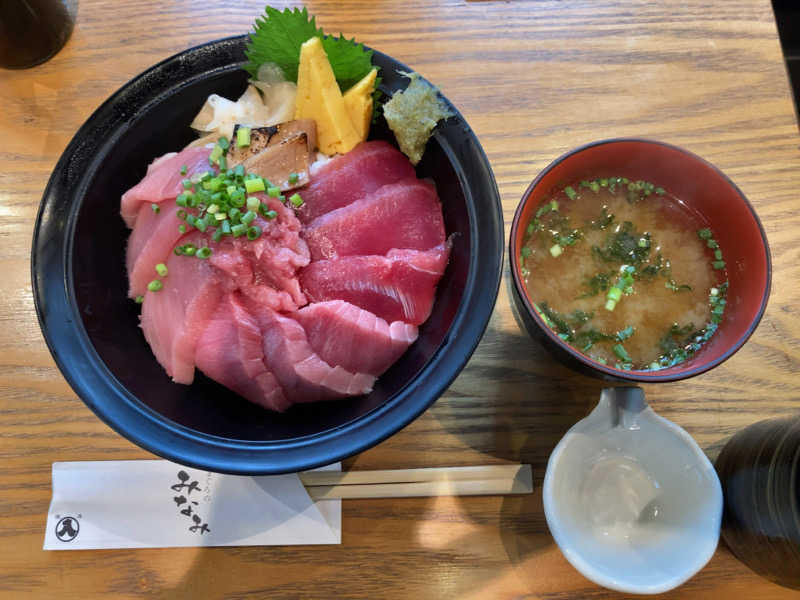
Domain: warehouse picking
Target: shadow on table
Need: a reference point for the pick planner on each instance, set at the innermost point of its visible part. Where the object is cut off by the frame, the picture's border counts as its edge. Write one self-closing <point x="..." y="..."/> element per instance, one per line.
<point x="515" y="402"/>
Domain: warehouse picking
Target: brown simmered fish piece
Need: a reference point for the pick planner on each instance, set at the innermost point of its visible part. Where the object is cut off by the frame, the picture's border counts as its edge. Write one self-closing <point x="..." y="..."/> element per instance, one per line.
<point x="277" y="162"/>
<point x="261" y="137"/>
<point x="277" y="151"/>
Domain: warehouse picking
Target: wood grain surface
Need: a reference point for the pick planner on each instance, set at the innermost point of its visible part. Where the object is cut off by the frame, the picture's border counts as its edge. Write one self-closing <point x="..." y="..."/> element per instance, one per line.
<point x="533" y="79"/>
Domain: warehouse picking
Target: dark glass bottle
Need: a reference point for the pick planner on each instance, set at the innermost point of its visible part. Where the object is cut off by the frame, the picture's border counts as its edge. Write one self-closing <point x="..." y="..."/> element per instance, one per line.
<point x="32" y="31"/>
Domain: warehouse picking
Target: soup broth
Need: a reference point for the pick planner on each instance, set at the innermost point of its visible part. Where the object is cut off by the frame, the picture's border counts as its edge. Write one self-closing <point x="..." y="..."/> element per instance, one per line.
<point x="624" y="273"/>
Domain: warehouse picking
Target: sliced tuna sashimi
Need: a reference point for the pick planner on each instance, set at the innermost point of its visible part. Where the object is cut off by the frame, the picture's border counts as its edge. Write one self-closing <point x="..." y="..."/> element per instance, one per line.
<point x="355" y="339"/>
<point x="163" y="180"/>
<point x="305" y="377"/>
<point x="152" y="240"/>
<point x="400" y="286"/>
<point x="406" y="214"/>
<point x="230" y="351"/>
<point x="174" y="318"/>
<point x="353" y="176"/>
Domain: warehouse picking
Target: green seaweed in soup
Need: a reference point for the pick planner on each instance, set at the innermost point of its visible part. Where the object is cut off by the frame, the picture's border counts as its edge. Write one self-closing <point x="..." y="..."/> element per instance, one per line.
<point x="624" y="273"/>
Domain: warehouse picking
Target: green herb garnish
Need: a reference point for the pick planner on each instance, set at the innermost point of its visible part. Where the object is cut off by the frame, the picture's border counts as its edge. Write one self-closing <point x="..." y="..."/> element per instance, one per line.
<point x="278" y="35"/>
<point x="622" y="246"/>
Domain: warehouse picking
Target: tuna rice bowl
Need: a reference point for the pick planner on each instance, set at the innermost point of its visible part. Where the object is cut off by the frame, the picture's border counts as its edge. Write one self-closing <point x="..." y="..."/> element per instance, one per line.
<point x="86" y="281"/>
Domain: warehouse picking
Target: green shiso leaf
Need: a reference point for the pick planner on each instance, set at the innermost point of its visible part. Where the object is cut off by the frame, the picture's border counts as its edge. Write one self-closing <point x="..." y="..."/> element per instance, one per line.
<point x="278" y="35"/>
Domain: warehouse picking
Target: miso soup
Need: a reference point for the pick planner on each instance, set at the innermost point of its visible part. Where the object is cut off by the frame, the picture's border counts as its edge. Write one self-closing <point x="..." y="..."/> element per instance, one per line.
<point x="625" y="273"/>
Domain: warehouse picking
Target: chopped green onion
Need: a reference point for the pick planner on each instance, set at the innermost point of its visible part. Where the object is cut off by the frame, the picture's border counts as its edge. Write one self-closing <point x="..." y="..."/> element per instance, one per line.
<point x="273" y="191"/>
<point x="181" y="200"/>
<point x="217" y="235"/>
<point x="254" y="185"/>
<point x="155" y="285"/>
<point x="270" y="214"/>
<point x="215" y="154"/>
<point x="214" y="208"/>
<point x="253" y="232"/>
<point x="252" y="203"/>
<point x="718" y="254"/>
<point x="296" y="200"/>
<point x="187" y="184"/>
<point x="203" y="252"/>
<point x="704" y="234"/>
<point x="624" y="334"/>
<point x="139" y="299"/>
<point x="238" y="170"/>
<point x="200" y="224"/>
<point x="660" y="191"/>
<point x="570" y="193"/>
<point x="184" y="169"/>
<point x="293" y="178"/>
<point x="223" y="163"/>
<point x="181" y="228"/>
<point x="161" y="269"/>
<point x="594" y="186"/>
<point x="223" y="143"/>
<point x="238" y="230"/>
<point x="712" y="244"/>
<point x="614" y="293"/>
<point x="718" y="264"/>
<point x="243" y="137"/>
<point x="643" y="243"/>
<point x="156" y="208"/>
<point x="248" y="217"/>
<point x="233" y="214"/>
<point x="610" y="305"/>
<point x="526" y="251"/>
<point x="189" y="250"/>
<point x="226" y="227"/>
<point x="220" y="216"/>
<point x="556" y="250"/>
<point x="619" y="350"/>
<point x="237" y="199"/>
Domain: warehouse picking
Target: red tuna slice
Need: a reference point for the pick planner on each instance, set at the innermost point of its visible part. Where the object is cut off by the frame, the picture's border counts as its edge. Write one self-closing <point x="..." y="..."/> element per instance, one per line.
<point x="174" y="318"/>
<point x="353" y="176"/>
<point x="266" y="269"/>
<point x="355" y="339"/>
<point x="406" y="214"/>
<point x="230" y="351"/>
<point x="163" y="180"/>
<point x="397" y="287"/>
<point x="305" y="377"/>
<point x="152" y="240"/>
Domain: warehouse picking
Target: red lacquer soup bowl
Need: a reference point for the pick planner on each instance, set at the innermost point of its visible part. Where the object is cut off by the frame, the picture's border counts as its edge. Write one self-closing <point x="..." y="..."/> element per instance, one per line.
<point x="706" y="191"/>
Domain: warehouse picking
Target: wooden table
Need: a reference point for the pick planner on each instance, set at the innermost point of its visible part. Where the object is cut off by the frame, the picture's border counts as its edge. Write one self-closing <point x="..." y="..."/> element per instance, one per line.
<point x="534" y="79"/>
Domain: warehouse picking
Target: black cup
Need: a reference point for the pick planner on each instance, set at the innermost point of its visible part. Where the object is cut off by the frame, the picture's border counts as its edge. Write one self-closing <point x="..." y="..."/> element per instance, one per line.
<point x="759" y="469"/>
<point x="33" y="31"/>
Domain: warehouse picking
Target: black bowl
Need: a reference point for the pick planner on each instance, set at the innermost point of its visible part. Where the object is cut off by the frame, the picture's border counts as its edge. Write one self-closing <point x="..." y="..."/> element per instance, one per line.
<point x="92" y="329"/>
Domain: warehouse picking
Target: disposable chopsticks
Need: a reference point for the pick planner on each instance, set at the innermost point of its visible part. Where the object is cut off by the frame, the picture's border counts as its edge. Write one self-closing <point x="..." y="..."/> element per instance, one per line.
<point x="406" y="483"/>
